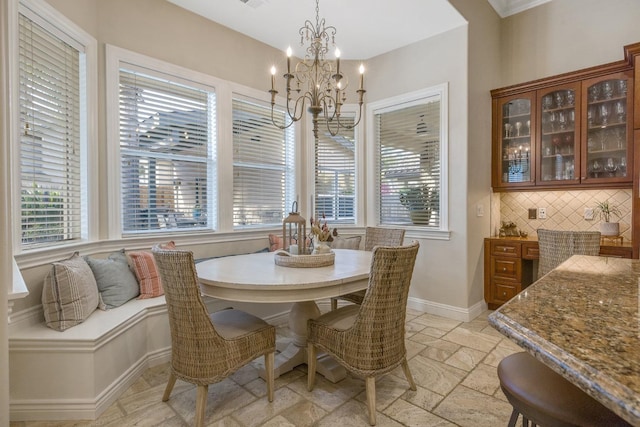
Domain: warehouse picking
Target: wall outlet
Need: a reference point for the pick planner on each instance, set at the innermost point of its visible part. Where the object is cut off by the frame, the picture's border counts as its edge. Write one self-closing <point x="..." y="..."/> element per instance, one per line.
<point x="542" y="213"/>
<point x="588" y="214"/>
<point x="479" y="209"/>
<point x="533" y="213"/>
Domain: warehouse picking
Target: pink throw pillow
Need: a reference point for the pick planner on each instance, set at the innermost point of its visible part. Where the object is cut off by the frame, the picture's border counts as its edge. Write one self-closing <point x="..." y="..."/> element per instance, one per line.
<point x="144" y="266"/>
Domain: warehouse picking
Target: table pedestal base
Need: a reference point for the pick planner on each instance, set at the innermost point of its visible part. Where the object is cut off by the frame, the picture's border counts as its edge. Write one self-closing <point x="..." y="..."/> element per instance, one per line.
<point x="295" y="353"/>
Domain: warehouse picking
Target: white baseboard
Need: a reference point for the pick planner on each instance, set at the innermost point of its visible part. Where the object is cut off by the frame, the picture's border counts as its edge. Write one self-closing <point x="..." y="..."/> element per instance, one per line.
<point x="448" y="311"/>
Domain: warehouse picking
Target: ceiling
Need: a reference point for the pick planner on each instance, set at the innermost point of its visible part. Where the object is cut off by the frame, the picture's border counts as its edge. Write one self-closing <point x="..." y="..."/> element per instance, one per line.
<point x="365" y="28"/>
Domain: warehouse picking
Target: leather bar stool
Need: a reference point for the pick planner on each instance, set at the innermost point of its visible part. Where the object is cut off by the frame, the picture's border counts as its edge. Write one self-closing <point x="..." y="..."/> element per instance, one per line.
<point x="547" y="399"/>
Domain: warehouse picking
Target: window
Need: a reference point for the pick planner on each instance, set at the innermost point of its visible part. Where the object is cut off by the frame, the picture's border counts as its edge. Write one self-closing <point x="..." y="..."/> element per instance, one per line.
<point x="54" y="89"/>
<point x="410" y="141"/>
<point x="335" y="173"/>
<point x="166" y="153"/>
<point x="263" y="165"/>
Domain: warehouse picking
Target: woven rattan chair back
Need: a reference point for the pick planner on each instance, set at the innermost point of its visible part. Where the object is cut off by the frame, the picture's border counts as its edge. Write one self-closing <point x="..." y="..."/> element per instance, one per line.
<point x="374" y="236"/>
<point x="556" y="246"/>
<point x="375" y="343"/>
<point x="200" y="354"/>
<point x="378" y="236"/>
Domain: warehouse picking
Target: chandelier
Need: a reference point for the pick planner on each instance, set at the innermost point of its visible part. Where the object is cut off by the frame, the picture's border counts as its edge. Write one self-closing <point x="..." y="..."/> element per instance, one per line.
<point x="316" y="81"/>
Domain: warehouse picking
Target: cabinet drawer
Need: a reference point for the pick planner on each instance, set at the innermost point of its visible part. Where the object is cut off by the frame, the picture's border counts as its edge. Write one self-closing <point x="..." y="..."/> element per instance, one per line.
<point x="530" y="250"/>
<point x="506" y="268"/>
<point x="503" y="248"/>
<point x="503" y="292"/>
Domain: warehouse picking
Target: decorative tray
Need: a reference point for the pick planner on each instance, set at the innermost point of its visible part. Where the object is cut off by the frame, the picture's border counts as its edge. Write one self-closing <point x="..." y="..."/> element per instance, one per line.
<point x="285" y="259"/>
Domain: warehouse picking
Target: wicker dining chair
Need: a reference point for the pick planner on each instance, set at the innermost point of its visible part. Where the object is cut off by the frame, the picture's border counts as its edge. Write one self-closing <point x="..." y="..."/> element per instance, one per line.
<point x="207" y="348"/>
<point x="374" y="236"/>
<point x="368" y="339"/>
<point x="556" y="246"/>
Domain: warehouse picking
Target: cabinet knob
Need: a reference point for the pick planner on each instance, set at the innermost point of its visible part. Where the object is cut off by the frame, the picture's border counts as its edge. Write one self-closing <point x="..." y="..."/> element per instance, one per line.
<point x="504" y="268"/>
<point x="504" y="294"/>
<point x="504" y="249"/>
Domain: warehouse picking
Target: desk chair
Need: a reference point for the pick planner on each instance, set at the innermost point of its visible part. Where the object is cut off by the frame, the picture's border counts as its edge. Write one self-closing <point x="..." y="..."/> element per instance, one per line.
<point x="207" y="348"/>
<point x="557" y="246"/>
<point x="368" y="339"/>
<point x="545" y="398"/>
<point x="374" y="236"/>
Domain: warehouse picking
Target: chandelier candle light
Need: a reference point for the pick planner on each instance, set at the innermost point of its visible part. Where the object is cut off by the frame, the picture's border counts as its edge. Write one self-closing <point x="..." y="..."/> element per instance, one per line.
<point x="315" y="81"/>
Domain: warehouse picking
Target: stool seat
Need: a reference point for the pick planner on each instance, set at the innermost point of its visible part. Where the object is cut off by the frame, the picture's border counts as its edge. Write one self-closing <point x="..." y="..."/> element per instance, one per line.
<point x="546" y="398"/>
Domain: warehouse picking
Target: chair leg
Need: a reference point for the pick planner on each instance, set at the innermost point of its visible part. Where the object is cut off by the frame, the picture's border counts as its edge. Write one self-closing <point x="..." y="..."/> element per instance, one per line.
<point x="311" y="366"/>
<point x="169" y="387"/>
<point x="269" y="362"/>
<point x="407" y="373"/>
<point x="514" y="418"/>
<point x="334" y="303"/>
<point x="371" y="399"/>
<point x="201" y="403"/>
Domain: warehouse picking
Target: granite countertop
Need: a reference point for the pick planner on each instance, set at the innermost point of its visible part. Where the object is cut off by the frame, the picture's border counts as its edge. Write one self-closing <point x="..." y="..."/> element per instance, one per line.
<point x="582" y="320"/>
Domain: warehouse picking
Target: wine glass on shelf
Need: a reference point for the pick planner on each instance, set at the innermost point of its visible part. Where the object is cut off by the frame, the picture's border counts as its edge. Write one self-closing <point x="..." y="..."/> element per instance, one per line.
<point x="559" y="99"/>
<point x="547" y="102"/>
<point x="622" y="87"/>
<point x="507" y="130"/>
<point x="607" y="90"/>
<point x="610" y="167"/>
<point x="604" y="114"/>
<point x="528" y="127"/>
<point x="562" y="120"/>
<point x="591" y="115"/>
<point x="620" y="110"/>
<point x="623" y="165"/>
<point x="594" y="93"/>
<point x="553" y="118"/>
<point x="571" y="98"/>
<point x="518" y="127"/>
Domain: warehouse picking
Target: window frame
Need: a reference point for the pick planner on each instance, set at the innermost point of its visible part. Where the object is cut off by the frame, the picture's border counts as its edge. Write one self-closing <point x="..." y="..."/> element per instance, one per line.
<point x="223" y="169"/>
<point x="49" y="18"/>
<point x="359" y="180"/>
<point x="373" y="169"/>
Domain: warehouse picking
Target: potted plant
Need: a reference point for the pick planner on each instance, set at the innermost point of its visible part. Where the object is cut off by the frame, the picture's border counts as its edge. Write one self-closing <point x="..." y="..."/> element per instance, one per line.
<point x="418" y="201"/>
<point x="606" y="211"/>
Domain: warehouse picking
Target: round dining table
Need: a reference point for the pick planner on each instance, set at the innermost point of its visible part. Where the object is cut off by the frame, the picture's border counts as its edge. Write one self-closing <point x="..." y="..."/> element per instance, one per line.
<point x="256" y="278"/>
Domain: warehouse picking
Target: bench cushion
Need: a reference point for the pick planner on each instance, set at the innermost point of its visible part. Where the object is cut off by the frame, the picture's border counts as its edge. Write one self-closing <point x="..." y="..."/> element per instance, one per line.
<point x="70" y="293"/>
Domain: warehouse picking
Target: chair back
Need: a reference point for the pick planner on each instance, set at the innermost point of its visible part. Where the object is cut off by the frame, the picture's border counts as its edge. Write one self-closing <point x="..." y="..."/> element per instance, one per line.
<point x="194" y="340"/>
<point x="378" y="332"/>
<point x="378" y="236"/>
<point x="557" y="246"/>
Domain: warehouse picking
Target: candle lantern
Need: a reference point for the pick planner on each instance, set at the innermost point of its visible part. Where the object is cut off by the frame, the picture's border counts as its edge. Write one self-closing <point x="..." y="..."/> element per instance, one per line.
<point x="294" y="232"/>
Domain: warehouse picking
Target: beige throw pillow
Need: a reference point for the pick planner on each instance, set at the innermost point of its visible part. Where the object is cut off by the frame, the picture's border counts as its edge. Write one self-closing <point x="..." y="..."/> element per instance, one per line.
<point x="70" y="293"/>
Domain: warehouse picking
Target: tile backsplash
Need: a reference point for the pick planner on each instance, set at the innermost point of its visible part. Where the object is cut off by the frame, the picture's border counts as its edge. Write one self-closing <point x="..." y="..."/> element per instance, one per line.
<point x="565" y="210"/>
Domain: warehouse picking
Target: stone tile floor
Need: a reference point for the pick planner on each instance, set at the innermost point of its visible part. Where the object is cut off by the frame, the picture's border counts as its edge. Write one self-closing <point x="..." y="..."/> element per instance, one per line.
<point x="453" y="363"/>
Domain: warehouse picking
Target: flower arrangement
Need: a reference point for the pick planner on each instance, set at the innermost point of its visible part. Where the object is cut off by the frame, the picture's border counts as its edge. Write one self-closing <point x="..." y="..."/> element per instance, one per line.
<point x="321" y="231"/>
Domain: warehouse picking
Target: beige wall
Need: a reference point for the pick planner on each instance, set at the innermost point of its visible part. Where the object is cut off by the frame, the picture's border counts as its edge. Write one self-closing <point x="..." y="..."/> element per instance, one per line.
<point x="566" y="35"/>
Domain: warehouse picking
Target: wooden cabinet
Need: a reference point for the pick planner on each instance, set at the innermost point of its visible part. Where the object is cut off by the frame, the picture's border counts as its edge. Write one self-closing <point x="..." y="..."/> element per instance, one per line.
<point x="504" y="271"/>
<point x="509" y="267"/>
<point x="573" y="130"/>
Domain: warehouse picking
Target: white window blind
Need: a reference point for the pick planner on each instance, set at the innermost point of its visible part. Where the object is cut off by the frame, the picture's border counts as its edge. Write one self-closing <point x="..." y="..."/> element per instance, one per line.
<point x="51" y="90"/>
<point x="166" y="144"/>
<point x="408" y="140"/>
<point x="263" y="165"/>
<point x="335" y="173"/>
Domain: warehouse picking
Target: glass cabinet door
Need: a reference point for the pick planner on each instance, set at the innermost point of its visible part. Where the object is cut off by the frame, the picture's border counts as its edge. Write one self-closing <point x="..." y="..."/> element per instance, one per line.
<point x="514" y="125"/>
<point x="559" y="154"/>
<point x="606" y="149"/>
